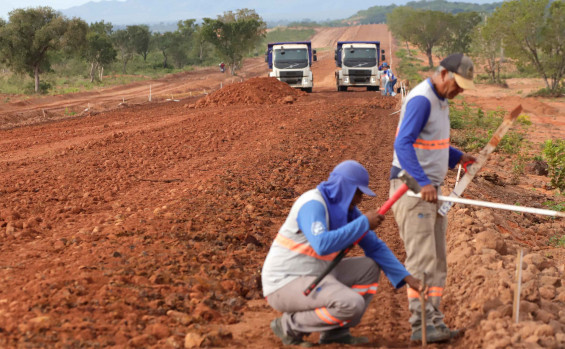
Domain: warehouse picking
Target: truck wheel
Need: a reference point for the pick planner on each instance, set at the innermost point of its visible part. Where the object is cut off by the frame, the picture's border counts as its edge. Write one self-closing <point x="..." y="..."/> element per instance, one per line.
<point x="308" y="90"/>
<point x="343" y="88"/>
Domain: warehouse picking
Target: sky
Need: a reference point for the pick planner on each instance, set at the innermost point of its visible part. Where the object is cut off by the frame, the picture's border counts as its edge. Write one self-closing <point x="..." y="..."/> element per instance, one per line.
<point x="8" y="5"/>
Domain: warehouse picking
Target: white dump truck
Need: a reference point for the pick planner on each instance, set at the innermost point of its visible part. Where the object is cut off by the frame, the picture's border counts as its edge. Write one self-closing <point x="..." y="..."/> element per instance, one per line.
<point x="291" y="62"/>
<point x="359" y="63"/>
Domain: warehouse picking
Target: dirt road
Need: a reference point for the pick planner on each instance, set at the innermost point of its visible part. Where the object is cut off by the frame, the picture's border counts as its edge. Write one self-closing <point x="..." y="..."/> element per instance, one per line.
<point x="146" y="225"/>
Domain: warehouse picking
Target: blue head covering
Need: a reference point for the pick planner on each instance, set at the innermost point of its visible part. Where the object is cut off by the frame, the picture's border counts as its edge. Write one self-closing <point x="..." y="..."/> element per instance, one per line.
<point x="339" y="189"/>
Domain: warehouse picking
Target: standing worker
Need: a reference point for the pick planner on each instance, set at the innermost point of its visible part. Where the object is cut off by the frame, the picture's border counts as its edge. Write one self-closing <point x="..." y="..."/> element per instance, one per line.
<point x="422" y="149"/>
<point x="322" y="222"/>
<point x="390" y="80"/>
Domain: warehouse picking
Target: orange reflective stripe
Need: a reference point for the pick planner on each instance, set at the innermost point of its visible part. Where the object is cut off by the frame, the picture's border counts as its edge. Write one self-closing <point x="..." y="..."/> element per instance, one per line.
<point x="325" y="316"/>
<point x="435" y="292"/>
<point x="412" y="293"/>
<point x="366" y="289"/>
<point x="321" y="316"/>
<point x="432" y="292"/>
<point x="327" y="313"/>
<point x="432" y="145"/>
<point x="302" y="248"/>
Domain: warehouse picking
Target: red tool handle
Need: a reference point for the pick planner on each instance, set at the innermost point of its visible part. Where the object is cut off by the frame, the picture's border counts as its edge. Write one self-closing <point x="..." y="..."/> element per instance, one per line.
<point x="394" y="198"/>
<point x="470" y="162"/>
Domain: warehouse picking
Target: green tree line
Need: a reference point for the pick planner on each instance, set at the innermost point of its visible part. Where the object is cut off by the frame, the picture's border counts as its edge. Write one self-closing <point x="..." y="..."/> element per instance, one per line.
<point x="528" y="33"/>
<point x="33" y="39"/>
<point x="378" y="14"/>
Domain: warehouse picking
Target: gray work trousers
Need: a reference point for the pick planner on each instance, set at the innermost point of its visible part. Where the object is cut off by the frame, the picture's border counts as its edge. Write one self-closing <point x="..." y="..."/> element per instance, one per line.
<point x="423" y="231"/>
<point x="338" y="303"/>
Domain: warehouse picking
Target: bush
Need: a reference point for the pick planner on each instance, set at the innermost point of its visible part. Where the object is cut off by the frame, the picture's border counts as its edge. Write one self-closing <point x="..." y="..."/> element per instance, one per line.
<point x="545" y="92"/>
<point x="554" y="154"/>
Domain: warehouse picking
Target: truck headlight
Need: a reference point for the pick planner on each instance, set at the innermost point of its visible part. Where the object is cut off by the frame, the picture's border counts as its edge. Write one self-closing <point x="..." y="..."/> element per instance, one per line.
<point x="304" y="81"/>
<point x="346" y="80"/>
<point x="373" y="80"/>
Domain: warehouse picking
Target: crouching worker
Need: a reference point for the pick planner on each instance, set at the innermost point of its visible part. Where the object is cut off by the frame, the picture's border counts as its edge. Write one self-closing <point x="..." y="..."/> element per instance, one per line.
<point x="322" y="222"/>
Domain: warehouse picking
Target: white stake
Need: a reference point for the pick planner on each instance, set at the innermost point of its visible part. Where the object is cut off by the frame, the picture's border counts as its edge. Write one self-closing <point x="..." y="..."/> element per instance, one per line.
<point x="149" y="92"/>
<point x="516" y="308"/>
<point x="458" y="175"/>
<point x="455" y="199"/>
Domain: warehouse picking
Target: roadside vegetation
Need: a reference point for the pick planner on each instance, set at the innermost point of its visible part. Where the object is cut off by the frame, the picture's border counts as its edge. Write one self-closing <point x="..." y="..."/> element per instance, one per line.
<point x="522" y="34"/>
<point x="42" y="51"/>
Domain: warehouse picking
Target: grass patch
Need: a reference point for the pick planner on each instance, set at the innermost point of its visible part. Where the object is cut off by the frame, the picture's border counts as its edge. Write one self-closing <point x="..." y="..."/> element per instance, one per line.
<point x="473" y="128"/>
<point x="409" y="67"/>
<point x="545" y="92"/>
<point x="555" y="206"/>
<point x="557" y="241"/>
<point x="72" y="75"/>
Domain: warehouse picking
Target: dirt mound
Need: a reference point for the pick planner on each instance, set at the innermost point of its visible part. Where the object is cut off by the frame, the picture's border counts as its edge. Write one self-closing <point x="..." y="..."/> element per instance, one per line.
<point x="252" y="91"/>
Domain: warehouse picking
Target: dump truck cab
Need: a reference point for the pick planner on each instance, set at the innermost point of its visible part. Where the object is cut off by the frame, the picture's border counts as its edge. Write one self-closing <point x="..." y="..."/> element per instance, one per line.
<point x="291" y="62"/>
<point x="359" y="62"/>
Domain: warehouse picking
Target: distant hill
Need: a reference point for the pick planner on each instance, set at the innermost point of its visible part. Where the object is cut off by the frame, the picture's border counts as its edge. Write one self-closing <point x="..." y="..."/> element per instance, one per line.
<point x="163" y="15"/>
<point x="377" y="14"/>
<point x="171" y="11"/>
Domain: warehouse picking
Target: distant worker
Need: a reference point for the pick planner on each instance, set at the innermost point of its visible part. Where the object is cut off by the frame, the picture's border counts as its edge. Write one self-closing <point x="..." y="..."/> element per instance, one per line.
<point x="222" y="67"/>
<point x="390" y="80"/>
<point x="422" y="149"/>
<point x="322" y="222"/>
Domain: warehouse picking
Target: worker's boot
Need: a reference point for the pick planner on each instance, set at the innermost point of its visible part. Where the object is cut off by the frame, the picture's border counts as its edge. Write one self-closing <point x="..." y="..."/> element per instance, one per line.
<point x="432" y="335"/>
<point x="287" y="339"/>
<point x="341" y="336"/>
<point x="452" y="333"/>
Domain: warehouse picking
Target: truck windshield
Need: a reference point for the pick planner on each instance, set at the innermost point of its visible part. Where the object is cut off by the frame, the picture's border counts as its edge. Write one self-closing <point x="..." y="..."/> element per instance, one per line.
<point x="360" y="57"/>
<point x="295" y="58"/>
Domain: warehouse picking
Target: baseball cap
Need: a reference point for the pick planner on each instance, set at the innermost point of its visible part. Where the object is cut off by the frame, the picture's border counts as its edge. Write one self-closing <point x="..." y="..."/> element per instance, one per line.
<point x="462" y="68"/>
<point x="356" y="174"/>
<point x="385" y="65"/>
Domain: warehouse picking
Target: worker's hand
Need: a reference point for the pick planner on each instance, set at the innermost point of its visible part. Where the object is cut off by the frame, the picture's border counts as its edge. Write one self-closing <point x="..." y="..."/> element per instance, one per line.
<point x="416" y="284"/>
<point x="375" y="219"/>
<point x="466" y="158"/>
<point x="429" y="193"/>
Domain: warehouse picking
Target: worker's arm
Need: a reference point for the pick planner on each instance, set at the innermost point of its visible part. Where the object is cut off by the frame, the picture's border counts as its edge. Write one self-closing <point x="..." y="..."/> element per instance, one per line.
<point x="415" y="118"/>
<point x="378" y="251"/>
<point x="454" y="156"/>
<point x="312" y="222"/>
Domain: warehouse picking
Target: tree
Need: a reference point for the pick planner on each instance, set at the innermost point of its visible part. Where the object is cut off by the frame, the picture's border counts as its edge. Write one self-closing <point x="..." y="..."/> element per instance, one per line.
<point x="102" y="28"/>
<point x="163" y="42"/>
<point x="140" y="37"/>
<point x="533" y="33"/>
<point x="424" y="29"/>
<point x="398" y="22"/>
<point x="99" y="50"/>
<point x="460" y="33"/>
<point x="487" y="44"/>
<point x="176" y="45"/>
<point x="234" y="34"/>
<point x="122" y="40"/>
<point x="31" y="34"/>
